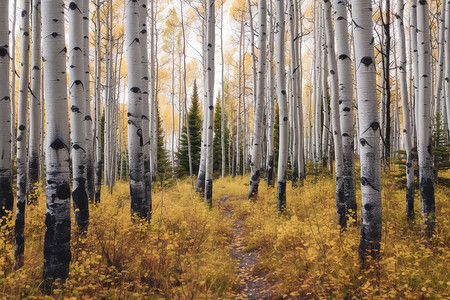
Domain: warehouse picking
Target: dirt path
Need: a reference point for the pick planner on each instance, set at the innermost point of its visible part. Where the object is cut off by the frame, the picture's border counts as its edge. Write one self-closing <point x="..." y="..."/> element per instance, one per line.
<point x="253" y="285"/>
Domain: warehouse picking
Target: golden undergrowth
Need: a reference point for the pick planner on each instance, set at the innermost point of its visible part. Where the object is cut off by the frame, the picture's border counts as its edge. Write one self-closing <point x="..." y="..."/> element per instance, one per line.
<point x="185" y="251"/>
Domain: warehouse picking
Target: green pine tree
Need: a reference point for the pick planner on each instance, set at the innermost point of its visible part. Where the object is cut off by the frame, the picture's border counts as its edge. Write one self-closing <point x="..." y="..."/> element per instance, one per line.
<point x="195" y="133"/>
<point x="164" y="167"/>
<point x="217" y="144"/>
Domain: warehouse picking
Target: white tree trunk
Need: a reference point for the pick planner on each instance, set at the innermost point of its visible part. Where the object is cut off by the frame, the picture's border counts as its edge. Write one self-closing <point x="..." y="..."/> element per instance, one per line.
<point x="407" y="129"/>
<point x="260" y="101"/>
<point x="413" y="37"/>
<point x="270" y="104"/>
<point x="12" y="54"/>
<point x="143" y="37"/>
<point x="334" y="104"/>
<point x="57" y="253"/>
<point x="282" y="104"/>
<point x="210" y="50"/>
<point x="424" y="121"/>
<point x="344" y="65"/>
<point x="139" y="206"/>
<point x="35" y="103"/>
<point x="222" y="121"/>
<point x="447" y="62"/>
<point x="6" y="193"/>
<point x="87" y="111"/>
<point x="369" y="128"/>
<point x="98" y="109"/>
<point x="77" y="114"/>
<point x="22" y="139"/>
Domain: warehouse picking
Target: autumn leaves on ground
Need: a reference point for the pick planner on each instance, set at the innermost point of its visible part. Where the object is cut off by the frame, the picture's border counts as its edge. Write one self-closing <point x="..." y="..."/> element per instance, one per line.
<point x="188" y="251"/>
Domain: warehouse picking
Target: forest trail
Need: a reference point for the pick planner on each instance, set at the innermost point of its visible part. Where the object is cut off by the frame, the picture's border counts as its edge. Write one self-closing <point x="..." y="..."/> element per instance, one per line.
<point x="252" y="284"/>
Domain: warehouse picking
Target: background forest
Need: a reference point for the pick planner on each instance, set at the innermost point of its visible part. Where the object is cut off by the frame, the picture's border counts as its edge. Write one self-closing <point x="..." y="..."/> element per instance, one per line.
<point x="231" y="149"/>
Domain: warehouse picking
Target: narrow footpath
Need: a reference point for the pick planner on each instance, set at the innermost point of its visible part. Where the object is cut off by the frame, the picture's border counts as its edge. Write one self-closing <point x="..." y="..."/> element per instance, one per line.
<point x="252" y="284"/>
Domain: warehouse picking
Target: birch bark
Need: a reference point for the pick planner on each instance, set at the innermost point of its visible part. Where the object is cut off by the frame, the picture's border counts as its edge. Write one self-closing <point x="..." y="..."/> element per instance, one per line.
<point x="260" y="101"/>
<point x="369" y="129"/>
<point x="424" y="121"/>
<point x="57" y="254"/>
<point x="22" y="139"/>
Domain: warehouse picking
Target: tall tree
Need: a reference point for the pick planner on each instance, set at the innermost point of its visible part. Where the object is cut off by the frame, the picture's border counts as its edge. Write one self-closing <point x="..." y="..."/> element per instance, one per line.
<point x="195" y="126"/>
<point x="424" y="121"/>
<point x="145" y="102"/>
<point x="334" y="104"/>
<point x="407" y="130"/>
<point x="6" y="193"/>
<point x="77" y="114"/>
<point x="35" y="103"/>
<point x="57" y="253"/>
<point x="282" y="104"/>
<point x="210" y="51"/>
<point x="90" y="176"/>
<point x="260" y="101"/>
<point x="97" y="107"/>
<point x="135" y="138"/>
<point x="369" y="128"/>
<point x="22" y="139"/>
<point x="344" y="65"/>
<point x="270" y="104"/>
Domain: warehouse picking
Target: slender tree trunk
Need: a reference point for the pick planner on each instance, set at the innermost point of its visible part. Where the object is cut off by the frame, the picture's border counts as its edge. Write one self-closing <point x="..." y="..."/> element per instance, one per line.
<point x="57" y="254"/>
<point x="210" y="50"/>
<point x="415" y="61"/>
<point x="370" y="129"/>
<point x="154" y="102"/>
<point x="337" y="137"/>
<point x="260" y="101"/>
<point x="139" y="204"/>
<point x="88" y="117"/>
<point x="270" y="104"/>
<point x="143" y="37"/>
<point x="424" y="121"/>
<point x="282" y="104"/>
<point x="344" y="65"/>
<point x="35" y="103"/>
<point x="240" y="95"/>
<point x="22" y="139"/>
<point x="6" y="193"/>
<point x="222" y="122"/>
<point x="407" y="130"/>
<point x="98" y="109"/>
<point x="447" y="64"/>
<point x="387" y="83"/>
<point x="77" y="114"/>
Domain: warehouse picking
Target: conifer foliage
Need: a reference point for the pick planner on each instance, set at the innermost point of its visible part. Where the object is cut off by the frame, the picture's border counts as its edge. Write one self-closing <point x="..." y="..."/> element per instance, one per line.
<point x="195" y="129"/>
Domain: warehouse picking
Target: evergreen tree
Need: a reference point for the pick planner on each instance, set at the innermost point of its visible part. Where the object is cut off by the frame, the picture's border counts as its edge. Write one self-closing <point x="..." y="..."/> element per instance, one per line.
<point x="217" y="156"/>
<point x="195" y="132"/>
<point x="162" y="155"/>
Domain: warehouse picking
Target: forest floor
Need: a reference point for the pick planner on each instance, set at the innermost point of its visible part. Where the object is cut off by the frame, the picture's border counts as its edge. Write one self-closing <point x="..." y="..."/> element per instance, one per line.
<point x="239" y="249"/>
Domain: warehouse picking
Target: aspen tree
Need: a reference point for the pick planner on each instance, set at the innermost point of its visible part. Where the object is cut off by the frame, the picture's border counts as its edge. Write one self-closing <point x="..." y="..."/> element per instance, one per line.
<point x="260" y="101"/>
<point x="35" y="103"/>
<point x="12" y="55"/>
<point x="22" y="139"/>
<point x="344" y="66"/>
<point x="407" y="130"/>
<point x="424" y="121"/>
<point x="139" y="204"/>
<point x="369" y="128"/>
<point x="145" y="101"/>
<point x="6" y="192"/>
<point x="77" y="114"/>
<point x="447" y="62"/>
<point x="270" y="104"/>
<point x="282" y="104"/>
<point x="57" y="254"/>
<point x="334" y="104"/>
<point x="90" y="176"/>
<point x="210" y="50"/>
<point x="97" y="108"/>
